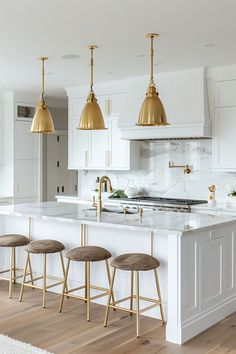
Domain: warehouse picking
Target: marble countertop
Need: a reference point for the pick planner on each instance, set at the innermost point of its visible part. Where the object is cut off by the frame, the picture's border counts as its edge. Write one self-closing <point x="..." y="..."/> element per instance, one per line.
<point x="151" y="221"/>
<point x="220" y="206"/>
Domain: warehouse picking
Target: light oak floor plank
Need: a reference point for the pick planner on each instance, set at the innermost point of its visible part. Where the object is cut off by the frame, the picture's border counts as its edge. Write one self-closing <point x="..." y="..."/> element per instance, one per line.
<point x="69" y="333"/>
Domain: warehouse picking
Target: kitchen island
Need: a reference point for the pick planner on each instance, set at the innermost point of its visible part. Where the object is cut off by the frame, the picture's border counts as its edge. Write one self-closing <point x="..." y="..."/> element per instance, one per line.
<point x="197" y="253"/>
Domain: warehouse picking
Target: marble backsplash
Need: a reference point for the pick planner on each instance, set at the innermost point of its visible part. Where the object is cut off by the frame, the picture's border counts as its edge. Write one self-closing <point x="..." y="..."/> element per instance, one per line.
<point x="156" y="178"/>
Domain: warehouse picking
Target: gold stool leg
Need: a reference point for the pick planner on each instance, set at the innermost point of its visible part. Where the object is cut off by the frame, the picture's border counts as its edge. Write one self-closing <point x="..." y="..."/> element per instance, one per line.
<point x="14" y="265"/>
<point x="44" y="279"/>
<point x="109" y="298"/>
<point x="137" y="305"/>
<point x="131" y="291"/>
<point x="11" y="271"/>
<point x="88" y="290"/>
<point x="64" y="285"/>
<point x="24" y="276"/>
<point x="85" y="281"/>
<point x="159" y="296"/>
<point x="63" y="271"/>
<point x="31" y="273"/>
<point x="109" y="280"/>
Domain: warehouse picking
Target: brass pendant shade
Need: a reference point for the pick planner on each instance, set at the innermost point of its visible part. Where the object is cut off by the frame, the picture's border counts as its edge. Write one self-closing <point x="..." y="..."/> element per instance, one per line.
<point x="42" y="121"/>
<point x="91" y="117"/>
<point x="152" y="112"/>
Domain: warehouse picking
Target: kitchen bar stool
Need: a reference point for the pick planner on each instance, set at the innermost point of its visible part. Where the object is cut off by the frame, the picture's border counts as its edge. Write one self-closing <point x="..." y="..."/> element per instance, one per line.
<point x="135" y="262"/>
<point x="86" y="254"/>
<point x="12" y="241"/>
<point x="43" y="247"/>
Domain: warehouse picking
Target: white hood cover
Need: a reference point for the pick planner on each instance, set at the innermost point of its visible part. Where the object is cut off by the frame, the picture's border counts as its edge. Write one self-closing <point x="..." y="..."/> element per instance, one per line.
<point x="184" y="96"/>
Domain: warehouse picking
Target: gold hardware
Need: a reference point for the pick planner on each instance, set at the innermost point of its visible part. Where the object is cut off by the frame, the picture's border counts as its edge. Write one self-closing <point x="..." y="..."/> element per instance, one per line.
<point x="45" y="287"/>
<point x="86" y="158"/>
<point x="91" y="117"/>
<point x="152" y="112"/>
<point x="42" y="121"/>
<point x="13" y="270"/>
<point x="212" y="188"/>
<point x="107" y="158"/>
<point x="137" y="297"/>
<point x="102" y="179"/>
<point x="187" y="168"/>
<point x="87" y="287"/>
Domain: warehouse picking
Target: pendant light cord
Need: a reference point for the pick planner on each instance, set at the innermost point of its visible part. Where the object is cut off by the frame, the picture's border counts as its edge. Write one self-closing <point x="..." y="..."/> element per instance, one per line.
<point x="91" y="69"/>
<point x="152" y="57"/>
<point x="43" y="91"/>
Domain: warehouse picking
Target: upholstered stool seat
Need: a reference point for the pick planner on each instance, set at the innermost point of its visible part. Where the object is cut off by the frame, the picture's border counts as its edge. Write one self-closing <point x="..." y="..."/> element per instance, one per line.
<point x="88" y="254"/>
<point x="13" y="240"/>
<point x="45" y="246"/>
<point x="135" y="261"/>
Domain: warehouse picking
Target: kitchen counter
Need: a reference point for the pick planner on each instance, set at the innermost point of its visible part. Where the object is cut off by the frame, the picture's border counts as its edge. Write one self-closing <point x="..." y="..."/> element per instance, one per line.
<point x="220" y="206"/>
<point x="197" y="254"/>
<point x="150" y="221"/>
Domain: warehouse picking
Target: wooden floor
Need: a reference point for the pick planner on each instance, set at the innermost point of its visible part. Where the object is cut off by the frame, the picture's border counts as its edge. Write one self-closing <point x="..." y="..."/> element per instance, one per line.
<point x="69" y="333"/>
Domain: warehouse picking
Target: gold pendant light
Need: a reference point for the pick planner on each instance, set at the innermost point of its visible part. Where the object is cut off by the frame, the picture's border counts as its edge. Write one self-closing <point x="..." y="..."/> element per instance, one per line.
<point x="91" y="117"/>
<point x="42" y="121"/>
<point x="152" y="112"/>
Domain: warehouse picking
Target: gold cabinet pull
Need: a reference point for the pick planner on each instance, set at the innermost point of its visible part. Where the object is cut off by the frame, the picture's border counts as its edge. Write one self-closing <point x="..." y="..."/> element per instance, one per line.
<point x="108" y="107"/>
<point x="86" y="158"/>
<point x="107" y="163"/>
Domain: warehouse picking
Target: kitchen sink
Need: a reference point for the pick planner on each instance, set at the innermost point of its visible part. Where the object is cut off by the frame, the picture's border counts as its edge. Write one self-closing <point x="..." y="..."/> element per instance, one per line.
<point x="114" y="210"/>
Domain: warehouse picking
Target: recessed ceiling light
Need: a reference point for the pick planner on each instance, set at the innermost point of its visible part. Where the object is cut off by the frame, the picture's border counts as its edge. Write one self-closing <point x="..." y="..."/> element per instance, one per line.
<point x="140" y="56"/>
<point x="70" y="56"/>
<point x="209" y="45"/>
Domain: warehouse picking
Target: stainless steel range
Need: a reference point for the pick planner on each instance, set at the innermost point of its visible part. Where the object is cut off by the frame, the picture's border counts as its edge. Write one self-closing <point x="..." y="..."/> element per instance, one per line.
<point x="163" y="204"/>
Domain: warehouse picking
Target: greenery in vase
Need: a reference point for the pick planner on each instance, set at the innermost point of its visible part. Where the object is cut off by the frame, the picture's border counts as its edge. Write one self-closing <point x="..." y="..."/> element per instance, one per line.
<point x="118" y="194"/>
<point x="232" y="193"/>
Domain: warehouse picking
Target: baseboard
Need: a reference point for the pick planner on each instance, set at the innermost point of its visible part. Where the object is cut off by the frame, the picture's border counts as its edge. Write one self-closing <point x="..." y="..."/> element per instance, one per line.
<point x="200" y="324"/>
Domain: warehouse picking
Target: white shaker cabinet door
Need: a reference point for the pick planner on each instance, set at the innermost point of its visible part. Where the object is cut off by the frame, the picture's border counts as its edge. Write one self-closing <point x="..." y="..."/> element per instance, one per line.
<point x="98" y="148"/>
<point x="119" y="151"/>
<point x="78" y="147"/>
<point x="224" y="139"/>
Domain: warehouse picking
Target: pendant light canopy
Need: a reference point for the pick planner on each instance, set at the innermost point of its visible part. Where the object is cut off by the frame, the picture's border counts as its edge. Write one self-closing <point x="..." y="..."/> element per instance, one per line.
<point x="42" y="121"/>
<point x="91" y="117"/>
<point x="152" y="112"/>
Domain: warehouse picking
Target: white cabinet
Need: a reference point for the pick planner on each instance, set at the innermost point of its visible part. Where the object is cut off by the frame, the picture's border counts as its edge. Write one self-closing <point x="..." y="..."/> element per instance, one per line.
<point x="1" y="134"/>
<point x="224" y="127"/>
<point x="78" y="146"/>
<point x="103" y="149"/>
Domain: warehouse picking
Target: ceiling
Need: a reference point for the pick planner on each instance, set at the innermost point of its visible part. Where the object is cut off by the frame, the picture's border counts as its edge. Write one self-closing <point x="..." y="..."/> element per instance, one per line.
<point x="193" y="33"/>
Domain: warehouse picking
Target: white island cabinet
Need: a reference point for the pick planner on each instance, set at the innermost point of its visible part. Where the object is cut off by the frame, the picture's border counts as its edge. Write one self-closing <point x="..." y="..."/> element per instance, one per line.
<point x="103" y="149"/>
<point x="197" y="254"/>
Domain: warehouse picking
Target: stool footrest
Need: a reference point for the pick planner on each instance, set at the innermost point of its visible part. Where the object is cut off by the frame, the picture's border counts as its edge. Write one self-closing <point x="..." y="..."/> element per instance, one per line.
<point x="154" y="301"/>
<point x="105" y="292"/>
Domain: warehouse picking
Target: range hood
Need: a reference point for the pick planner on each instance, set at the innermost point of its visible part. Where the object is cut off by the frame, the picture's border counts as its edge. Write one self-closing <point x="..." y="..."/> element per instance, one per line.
<point x="184" y="96"/>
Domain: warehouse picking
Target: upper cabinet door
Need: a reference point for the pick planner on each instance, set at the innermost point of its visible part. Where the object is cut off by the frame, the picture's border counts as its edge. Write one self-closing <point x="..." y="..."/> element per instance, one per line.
<point x="225" y="93"/>
<point x="78" y="147"/>
<point x="224" y="143"/>
<point x="119" y="152"/>
<point x="98" y="147"/>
